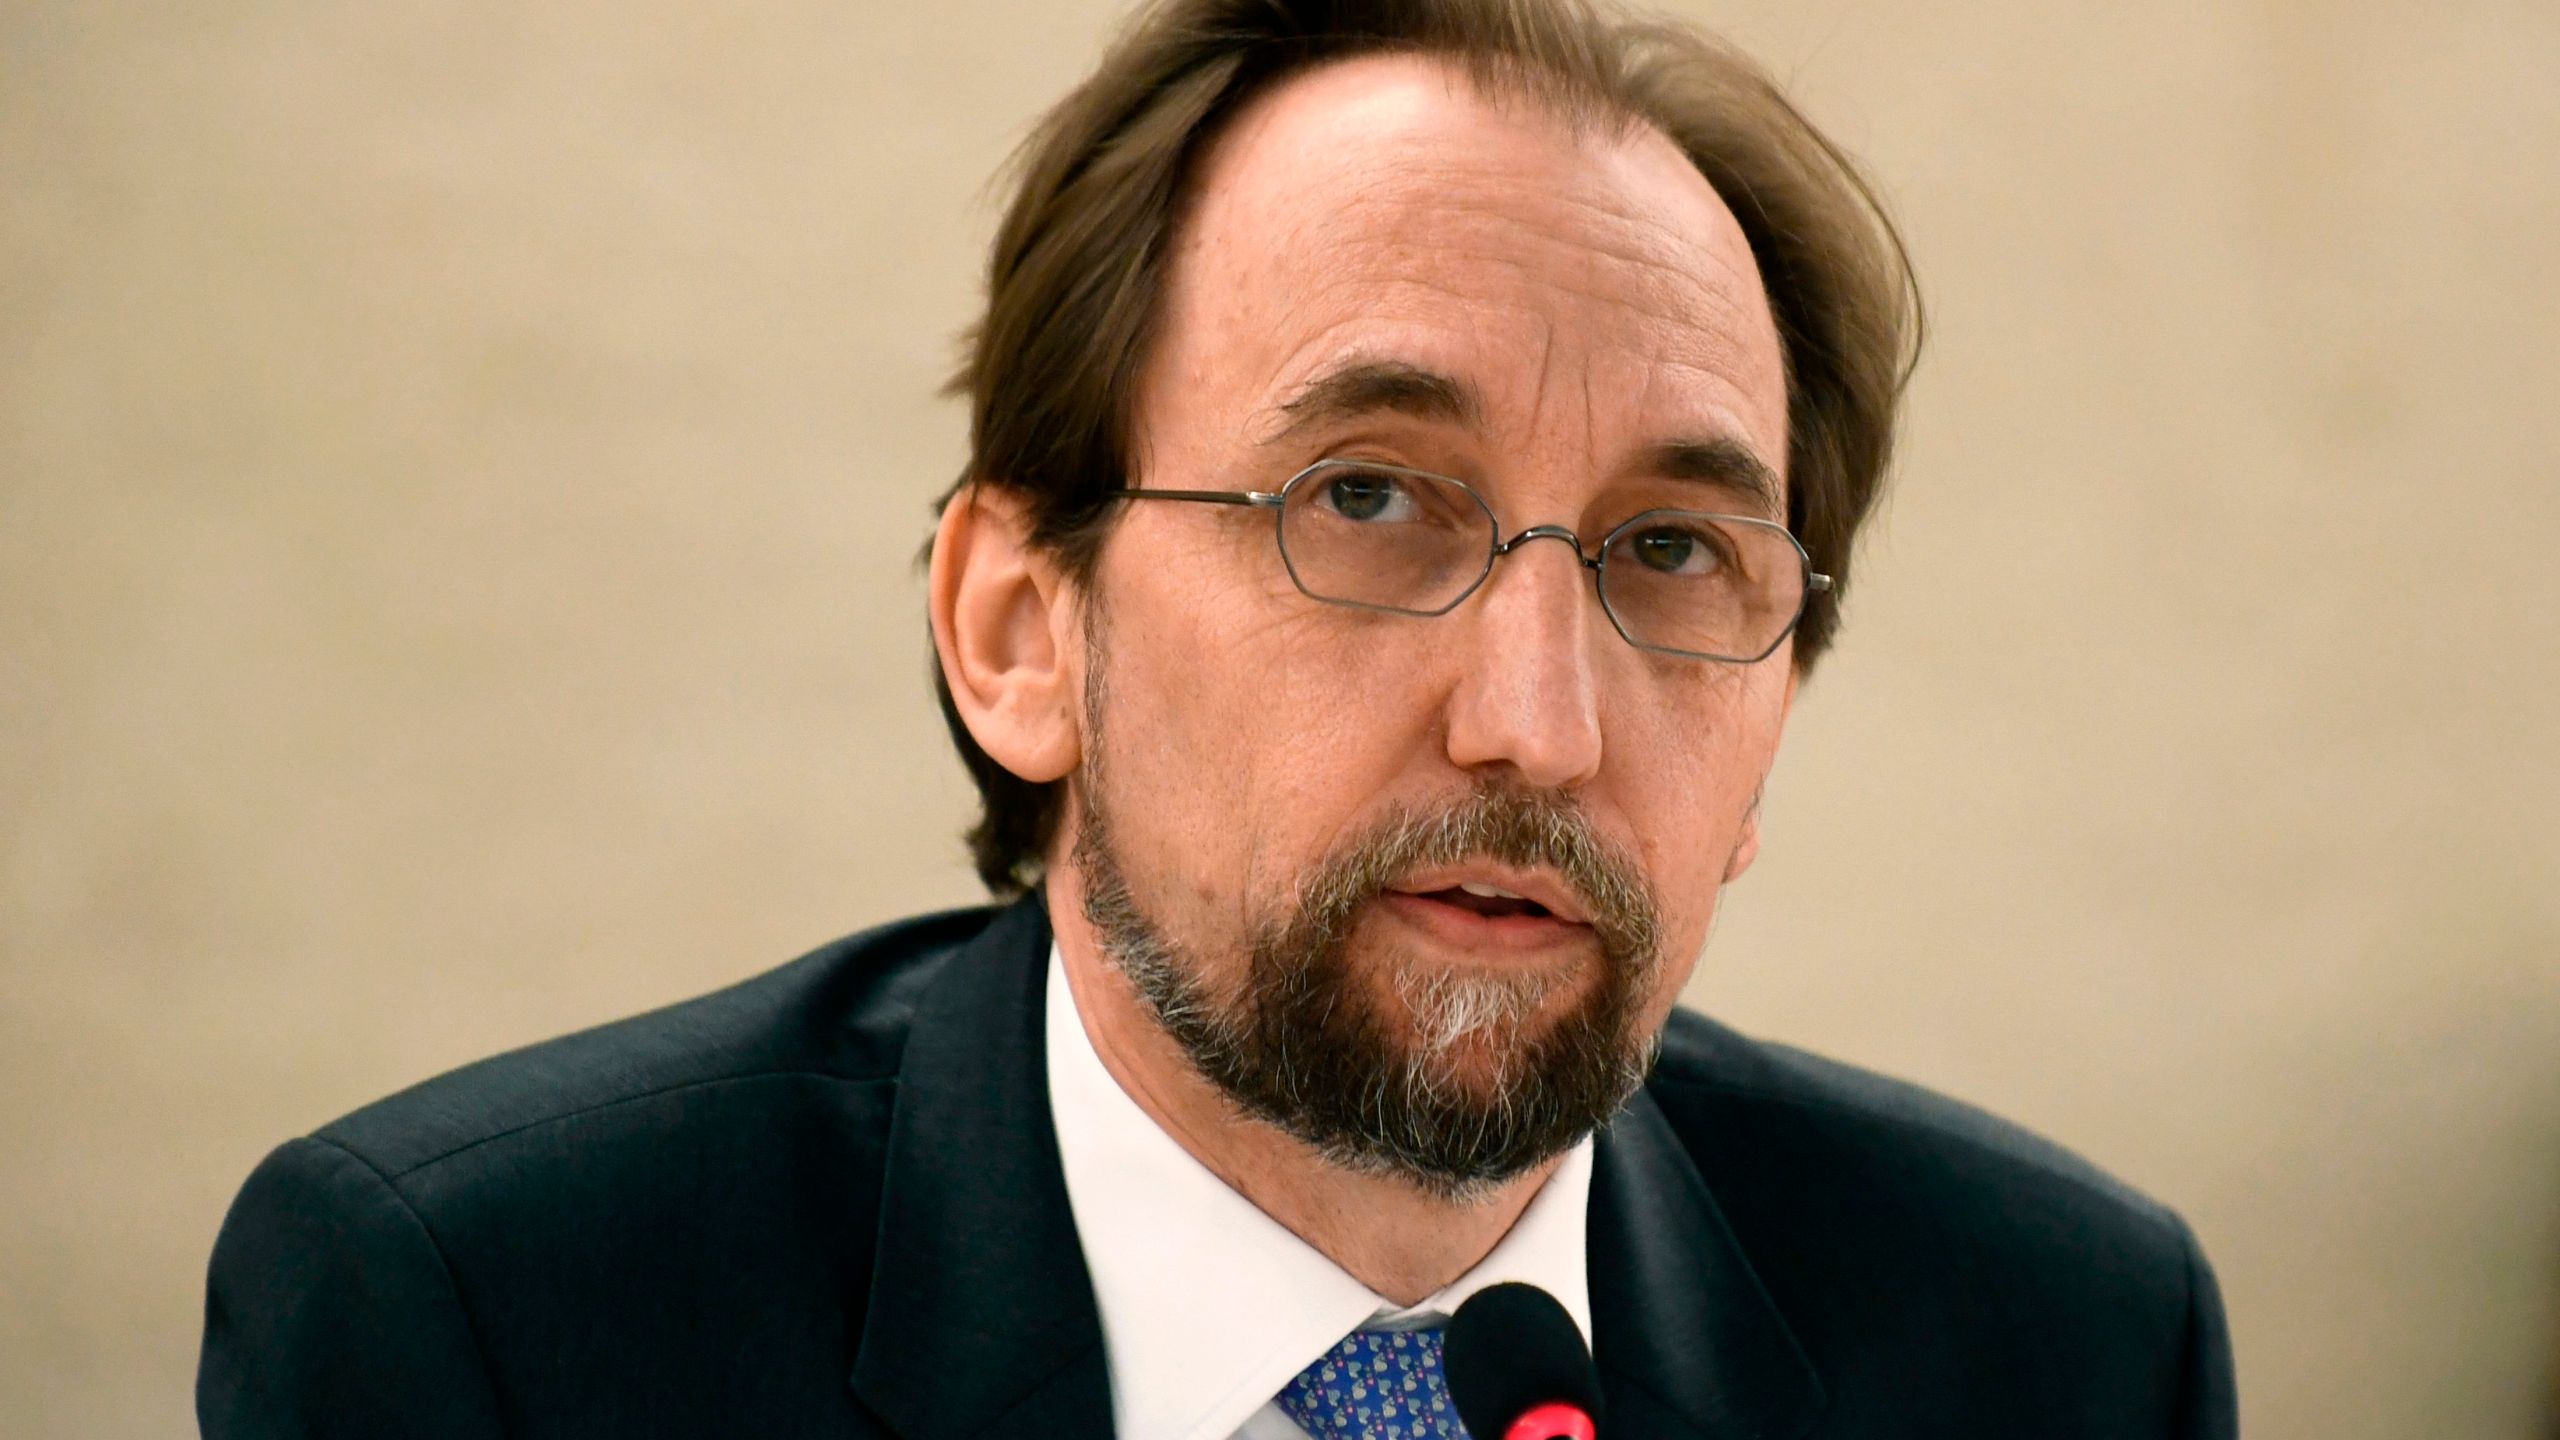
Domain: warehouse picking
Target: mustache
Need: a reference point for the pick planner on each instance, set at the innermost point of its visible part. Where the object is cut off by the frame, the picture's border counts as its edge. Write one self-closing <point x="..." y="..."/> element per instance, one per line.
<point x="1509" y="824"/>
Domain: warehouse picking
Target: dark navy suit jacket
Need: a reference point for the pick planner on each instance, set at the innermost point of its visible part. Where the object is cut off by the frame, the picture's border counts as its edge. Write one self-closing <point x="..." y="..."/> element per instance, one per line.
<point x="827" y="1202"/>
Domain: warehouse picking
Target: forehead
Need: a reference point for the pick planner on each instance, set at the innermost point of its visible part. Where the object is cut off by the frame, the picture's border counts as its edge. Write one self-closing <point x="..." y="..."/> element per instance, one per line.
<point x="1584" y="278"/>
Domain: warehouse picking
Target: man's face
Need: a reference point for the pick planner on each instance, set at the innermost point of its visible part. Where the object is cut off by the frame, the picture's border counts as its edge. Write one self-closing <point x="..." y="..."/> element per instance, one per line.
<point x="1382" y="263"/>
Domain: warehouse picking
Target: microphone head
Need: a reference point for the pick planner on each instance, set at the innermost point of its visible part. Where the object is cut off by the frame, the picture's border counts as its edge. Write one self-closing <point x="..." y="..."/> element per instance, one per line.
<point x="1510" y="1349"/>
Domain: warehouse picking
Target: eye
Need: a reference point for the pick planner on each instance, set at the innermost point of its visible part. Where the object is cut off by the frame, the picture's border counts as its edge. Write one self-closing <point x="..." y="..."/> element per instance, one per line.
<point x="1679" y="549"/>
<point x="1368" y="495"/>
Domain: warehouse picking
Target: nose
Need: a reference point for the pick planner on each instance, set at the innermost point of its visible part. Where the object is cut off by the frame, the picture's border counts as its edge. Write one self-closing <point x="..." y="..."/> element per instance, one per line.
<point x="1528" y="699"/>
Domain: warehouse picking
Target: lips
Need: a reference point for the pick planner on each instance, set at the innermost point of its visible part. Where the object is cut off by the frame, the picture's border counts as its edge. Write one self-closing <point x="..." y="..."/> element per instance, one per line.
<point x="1489" y="900"/>
<point x="1497" y="893"/>
<point x="1486" y="908"/>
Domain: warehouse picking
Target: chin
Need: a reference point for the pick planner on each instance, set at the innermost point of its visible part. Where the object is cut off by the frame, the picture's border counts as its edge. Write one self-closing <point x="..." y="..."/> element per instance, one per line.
<point x="1479" y="1069"/>
<point x="1475" y="1026"/>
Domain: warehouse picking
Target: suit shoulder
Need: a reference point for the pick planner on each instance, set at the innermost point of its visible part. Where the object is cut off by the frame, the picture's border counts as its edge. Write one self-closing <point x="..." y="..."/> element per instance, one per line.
<point x="839" y="1012"/>
<point x="1930" y="1258"/>
<point x="1840" y="1123"/>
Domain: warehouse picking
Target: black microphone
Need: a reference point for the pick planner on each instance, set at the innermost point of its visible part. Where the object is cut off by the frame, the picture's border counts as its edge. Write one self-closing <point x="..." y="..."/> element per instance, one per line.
<point x="1517" y="1368"/>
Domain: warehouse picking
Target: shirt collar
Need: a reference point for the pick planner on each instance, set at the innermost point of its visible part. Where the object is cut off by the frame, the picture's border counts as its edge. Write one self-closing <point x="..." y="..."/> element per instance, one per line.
<point x="1209" y="1307"/>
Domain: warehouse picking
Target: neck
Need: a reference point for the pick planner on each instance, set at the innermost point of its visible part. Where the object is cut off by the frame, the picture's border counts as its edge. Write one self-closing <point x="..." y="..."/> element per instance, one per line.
<point x="1400" y="1241"/>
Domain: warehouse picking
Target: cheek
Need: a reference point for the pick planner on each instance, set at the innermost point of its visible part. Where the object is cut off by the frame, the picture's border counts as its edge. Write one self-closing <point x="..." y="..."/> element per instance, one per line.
<point x="1348" y="729"/>
<point x="1683" y="780"/>
<point x="1247" y="731"/>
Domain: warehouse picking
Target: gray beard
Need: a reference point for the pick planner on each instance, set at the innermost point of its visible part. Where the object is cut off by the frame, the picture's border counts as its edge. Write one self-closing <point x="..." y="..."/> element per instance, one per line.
<point x="1307" y="1047"/>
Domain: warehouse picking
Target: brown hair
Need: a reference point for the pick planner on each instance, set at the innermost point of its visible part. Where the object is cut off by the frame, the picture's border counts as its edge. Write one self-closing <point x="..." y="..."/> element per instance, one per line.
<point x="1079" y="261"/>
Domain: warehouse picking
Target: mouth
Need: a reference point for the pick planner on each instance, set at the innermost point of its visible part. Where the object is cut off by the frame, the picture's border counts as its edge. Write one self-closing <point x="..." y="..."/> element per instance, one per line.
<point x="1492" y="902"/>
<point x="1490" y="910"/>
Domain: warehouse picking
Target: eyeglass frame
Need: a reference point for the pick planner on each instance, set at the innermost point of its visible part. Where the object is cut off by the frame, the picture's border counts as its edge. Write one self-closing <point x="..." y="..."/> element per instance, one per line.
<point x="1276" y="501"/>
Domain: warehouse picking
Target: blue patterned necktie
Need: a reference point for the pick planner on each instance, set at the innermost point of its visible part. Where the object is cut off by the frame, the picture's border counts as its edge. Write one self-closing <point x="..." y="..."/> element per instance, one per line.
<point x="1376" y="1385"/>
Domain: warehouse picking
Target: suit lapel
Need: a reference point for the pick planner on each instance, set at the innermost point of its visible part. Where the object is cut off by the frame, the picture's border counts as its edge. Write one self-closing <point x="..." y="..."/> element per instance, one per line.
<point x="981" y="1320"/>
<point x="1687" y="1341"/>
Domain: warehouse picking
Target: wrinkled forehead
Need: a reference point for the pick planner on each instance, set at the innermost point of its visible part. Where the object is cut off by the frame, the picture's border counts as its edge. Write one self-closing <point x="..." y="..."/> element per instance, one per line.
<point x="1393" y="201"/>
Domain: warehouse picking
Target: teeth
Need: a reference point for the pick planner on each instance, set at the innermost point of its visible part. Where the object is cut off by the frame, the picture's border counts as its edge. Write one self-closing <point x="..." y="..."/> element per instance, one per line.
<point x="1490" y="892"/>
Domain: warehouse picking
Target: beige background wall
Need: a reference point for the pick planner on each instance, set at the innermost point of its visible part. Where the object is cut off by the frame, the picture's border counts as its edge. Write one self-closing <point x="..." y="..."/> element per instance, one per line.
<point x="459" y="465"/>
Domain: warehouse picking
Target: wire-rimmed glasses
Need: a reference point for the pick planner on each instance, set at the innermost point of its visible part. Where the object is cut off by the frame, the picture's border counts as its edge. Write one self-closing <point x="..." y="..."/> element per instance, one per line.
<point x="1383" y="537"/>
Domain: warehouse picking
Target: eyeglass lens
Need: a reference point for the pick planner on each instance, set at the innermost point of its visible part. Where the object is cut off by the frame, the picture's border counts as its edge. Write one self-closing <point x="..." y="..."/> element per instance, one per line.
<point x="1395" y="539"/>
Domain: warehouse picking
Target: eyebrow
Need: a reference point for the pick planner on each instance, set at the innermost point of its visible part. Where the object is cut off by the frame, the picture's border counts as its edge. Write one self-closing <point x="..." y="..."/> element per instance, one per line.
<point x="1377" y="387"/>
<point x="1722" y="462"/>
<point x="1396" y="387"/>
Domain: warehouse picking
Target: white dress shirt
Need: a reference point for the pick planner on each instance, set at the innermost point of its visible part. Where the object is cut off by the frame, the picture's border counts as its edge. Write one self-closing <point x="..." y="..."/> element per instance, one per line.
<point x="1210" y="1307"/>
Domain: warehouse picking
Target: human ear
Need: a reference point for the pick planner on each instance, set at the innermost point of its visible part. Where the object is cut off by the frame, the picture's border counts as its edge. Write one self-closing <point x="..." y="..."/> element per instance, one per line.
<point x="1746" y="845"/>
<point x="1000" y="611"/>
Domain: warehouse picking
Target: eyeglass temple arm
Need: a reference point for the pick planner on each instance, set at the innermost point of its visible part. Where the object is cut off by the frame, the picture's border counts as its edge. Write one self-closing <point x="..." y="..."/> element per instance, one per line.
<point x="1264" y="498"/>
<point x="1816" y="582"/>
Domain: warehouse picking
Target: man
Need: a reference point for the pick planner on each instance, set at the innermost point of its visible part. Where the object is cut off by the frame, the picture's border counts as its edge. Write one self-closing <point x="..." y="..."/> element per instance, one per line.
<point x="1366" y="842"/>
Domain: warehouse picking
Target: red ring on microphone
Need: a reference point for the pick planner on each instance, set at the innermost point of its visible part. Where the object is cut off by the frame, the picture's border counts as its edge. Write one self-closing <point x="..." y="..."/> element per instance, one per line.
<point x="1556" y="1421"/>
